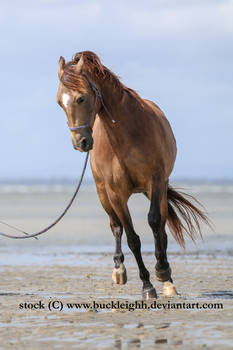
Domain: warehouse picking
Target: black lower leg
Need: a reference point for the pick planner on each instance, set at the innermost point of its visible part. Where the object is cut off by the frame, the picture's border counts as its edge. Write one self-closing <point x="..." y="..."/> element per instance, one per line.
<point x="118" y="257"/>
<point x="135" y="246"/>
<point x="157" y="225"/>
<point x="162" y="266"/>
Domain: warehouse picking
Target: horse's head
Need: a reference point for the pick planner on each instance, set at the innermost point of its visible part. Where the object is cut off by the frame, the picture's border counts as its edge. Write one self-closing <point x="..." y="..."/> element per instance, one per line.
<point x="78" y="98"/>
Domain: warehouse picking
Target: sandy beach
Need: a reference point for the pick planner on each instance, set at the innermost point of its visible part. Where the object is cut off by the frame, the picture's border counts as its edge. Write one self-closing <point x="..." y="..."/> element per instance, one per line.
<point x="73" y="265"/>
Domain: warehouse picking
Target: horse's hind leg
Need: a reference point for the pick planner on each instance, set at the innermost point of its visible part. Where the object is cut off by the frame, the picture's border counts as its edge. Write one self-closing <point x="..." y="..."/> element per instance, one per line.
<point x="119" y="274"/>
<point x="157" y="220"/>
<point x="121" y="209"/>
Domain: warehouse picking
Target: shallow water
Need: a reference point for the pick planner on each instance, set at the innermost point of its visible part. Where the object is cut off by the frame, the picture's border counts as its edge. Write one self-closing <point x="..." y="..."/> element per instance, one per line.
<point x="86" y="225"/>
<point x="82" y="255"/>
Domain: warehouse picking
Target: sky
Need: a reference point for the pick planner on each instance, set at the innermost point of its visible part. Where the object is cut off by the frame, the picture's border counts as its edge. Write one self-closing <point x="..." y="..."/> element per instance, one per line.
<point x="177" y="53"/>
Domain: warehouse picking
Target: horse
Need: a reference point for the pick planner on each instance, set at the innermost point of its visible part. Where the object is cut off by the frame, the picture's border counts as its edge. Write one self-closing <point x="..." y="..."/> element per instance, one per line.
<point x="132" y="150"/>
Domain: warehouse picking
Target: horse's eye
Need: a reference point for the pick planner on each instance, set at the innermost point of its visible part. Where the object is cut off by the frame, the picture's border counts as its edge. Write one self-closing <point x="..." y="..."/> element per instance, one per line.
<point x="80" y="99"/>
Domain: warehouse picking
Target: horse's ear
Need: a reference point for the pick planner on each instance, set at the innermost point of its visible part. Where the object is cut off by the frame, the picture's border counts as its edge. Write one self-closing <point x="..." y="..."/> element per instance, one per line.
<point x="79" y="65"/>
<point x="61" y="65"/>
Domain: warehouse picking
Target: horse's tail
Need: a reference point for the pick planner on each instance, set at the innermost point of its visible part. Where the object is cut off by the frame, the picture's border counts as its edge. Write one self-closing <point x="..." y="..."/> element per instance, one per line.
<point x="179" y="207"/>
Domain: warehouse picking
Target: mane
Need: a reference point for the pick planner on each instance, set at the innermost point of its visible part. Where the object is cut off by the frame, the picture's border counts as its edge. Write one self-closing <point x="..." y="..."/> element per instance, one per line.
<point x="96" y="71"/>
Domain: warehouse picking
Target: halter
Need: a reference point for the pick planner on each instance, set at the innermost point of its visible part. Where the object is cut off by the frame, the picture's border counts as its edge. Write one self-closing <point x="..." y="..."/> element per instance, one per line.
<point x="97" y="94"/>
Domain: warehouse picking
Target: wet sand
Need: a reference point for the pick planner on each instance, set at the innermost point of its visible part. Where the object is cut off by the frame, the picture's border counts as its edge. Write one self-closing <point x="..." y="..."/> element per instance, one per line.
<point x="198" y="279"/>
<point x="67" y="266"/>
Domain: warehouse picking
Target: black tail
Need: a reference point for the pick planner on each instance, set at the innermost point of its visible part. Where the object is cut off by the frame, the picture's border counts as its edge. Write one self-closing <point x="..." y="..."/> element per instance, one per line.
<point x="178" y="205"/>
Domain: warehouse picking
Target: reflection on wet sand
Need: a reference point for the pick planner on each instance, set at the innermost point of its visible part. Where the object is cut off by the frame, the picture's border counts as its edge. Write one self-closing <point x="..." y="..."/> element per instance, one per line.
<point x="137" y="342"/>
<point x="223" y="294"/>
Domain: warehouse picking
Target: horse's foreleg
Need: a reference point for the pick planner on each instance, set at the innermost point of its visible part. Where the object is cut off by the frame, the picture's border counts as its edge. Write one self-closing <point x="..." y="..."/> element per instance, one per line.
<point x="121" y="209"/>
<point x="119" y="274"/>
<point x="157" y="219"/>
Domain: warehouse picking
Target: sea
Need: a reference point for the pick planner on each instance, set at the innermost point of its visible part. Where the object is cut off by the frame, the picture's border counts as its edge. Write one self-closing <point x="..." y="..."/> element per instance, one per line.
<point x="84" y="233"/>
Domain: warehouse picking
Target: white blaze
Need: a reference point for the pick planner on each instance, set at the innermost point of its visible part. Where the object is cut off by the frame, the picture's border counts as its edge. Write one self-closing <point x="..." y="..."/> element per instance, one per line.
<point x="65" y="99"/>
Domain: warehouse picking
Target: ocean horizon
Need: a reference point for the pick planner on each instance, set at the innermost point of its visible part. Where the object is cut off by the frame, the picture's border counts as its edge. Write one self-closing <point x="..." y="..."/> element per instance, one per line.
<point x="68" y="184"/>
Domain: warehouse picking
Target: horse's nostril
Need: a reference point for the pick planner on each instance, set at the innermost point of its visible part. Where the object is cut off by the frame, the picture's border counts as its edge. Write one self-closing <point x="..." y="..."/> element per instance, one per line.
<point x="84" y="143"/>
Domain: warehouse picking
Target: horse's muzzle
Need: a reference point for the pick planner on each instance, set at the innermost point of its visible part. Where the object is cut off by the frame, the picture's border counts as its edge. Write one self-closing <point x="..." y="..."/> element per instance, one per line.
<point x="84" y="145"/>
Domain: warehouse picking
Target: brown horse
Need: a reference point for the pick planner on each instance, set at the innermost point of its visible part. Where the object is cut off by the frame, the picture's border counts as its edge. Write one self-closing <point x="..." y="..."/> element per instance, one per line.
<point x="133" y="150"/>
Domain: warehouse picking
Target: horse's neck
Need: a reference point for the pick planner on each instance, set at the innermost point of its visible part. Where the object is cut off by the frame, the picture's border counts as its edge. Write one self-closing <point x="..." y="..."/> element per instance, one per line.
<point x="119" y="105"/>
<point x="128" y="123"/>
<point x="117" y="132"/>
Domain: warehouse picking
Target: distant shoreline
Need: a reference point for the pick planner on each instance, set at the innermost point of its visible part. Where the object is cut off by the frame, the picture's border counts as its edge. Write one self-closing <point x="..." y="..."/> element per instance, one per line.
<point x="90" y="182"/>
<point x="42" y="186"/>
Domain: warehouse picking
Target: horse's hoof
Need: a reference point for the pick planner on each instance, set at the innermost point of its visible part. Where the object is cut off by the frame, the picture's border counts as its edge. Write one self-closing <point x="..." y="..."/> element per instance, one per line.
<point x="149" y="293"/>
<point x="163" y="275"/>
<point x="119" y="275"/>
<point x="169" y="289"/>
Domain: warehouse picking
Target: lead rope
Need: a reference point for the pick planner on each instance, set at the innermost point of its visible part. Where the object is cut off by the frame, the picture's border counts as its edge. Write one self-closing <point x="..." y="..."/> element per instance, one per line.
<point x="34" y="235"/>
